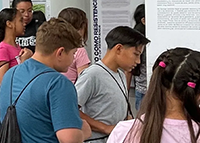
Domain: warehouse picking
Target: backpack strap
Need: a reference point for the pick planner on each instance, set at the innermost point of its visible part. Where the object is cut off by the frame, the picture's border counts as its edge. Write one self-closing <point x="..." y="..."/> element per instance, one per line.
<point x="11" y="85"/>
<point x="100" y="138"/>
<point x="127" y="101"/>
<point x="24" y="87"/>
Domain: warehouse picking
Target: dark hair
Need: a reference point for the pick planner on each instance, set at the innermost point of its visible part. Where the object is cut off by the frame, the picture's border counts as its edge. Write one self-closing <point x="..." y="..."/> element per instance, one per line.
<point x="39" y="15"/>
<point x="56" y="33"/>
<point x="139" y="26"/>
<point x="5" y="15"/>
<point x="138" y="15"/>
<point x="15" y="2"/>
<point x="77" y="18"/>
<point x="182" y="66"/>
<point x="126" y="36"/>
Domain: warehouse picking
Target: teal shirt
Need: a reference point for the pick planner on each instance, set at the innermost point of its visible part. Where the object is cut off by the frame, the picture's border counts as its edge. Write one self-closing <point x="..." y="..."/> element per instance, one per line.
<point x="47" y="105"/>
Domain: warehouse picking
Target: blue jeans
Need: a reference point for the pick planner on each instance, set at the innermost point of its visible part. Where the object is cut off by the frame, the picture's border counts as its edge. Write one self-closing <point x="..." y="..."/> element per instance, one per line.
<point x="138" y="99"/>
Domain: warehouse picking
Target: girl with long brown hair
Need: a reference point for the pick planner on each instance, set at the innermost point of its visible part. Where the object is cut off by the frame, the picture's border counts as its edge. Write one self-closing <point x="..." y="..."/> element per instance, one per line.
<point x="170" y="110"/>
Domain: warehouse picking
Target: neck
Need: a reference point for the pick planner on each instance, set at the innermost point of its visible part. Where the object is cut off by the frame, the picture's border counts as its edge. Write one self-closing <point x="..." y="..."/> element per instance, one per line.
<point x="175" y="108"/>
<point x="46" y="60"/>
<point x="10" y="38"/>
<point x="110" y="61"/>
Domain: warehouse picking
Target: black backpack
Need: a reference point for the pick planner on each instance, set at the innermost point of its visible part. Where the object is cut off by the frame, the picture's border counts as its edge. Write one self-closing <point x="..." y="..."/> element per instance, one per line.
<point x="9" y="129"/>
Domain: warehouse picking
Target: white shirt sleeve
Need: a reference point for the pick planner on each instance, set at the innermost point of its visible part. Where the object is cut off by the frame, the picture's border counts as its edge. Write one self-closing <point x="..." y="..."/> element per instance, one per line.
<point x="120" y="132"/>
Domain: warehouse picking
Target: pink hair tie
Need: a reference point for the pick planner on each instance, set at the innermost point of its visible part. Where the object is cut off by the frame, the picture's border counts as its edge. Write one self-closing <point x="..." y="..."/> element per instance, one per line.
<point x="162" y="64"/>
<point x="191" y="84"/>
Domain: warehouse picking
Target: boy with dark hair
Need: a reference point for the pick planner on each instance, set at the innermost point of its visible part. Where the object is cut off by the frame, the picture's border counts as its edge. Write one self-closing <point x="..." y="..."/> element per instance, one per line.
<point x="28" y="40"/>
<point x="102" y="90"/>
<point x="47" y="110"/>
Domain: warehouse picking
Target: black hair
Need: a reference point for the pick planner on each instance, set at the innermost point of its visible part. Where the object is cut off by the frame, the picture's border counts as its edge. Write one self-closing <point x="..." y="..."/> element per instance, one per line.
<point x="126" y="36"/>
<point x="39" y="15"/>
<point x="5" y="15"/>
<point x="139" y="26"/>
<point x="15" y="2"/>
<point x="139" y="13"/>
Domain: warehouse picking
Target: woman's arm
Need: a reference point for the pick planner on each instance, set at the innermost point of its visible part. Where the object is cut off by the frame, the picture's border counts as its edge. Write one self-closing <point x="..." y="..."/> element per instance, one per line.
<point x="3" y="70"/>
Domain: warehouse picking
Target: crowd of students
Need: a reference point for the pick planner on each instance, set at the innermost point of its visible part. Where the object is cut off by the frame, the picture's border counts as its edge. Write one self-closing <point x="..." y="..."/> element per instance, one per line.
<point x="67" y="100"/>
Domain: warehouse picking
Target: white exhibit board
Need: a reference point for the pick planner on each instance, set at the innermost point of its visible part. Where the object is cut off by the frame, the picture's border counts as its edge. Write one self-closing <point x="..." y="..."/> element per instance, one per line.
<point x="106" y="14"/>
<point x="169" y="24"/>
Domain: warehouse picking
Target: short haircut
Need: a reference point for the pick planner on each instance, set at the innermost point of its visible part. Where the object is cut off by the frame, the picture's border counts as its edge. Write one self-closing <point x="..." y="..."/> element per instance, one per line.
<point x="77" y="18"/>
<point x="56" y="33"/>
<point x="126" y="36"/>
<point x="15" y="2"/>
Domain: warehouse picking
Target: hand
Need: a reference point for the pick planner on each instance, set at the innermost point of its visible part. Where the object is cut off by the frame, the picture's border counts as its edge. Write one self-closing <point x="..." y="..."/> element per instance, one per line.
<point x="25" y="54"/>
<point x="86" y="130"/>
<point x="129" y="117"/>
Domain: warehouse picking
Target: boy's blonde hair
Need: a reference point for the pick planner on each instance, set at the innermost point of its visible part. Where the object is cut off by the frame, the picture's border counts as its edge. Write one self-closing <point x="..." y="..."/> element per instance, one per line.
<point x="56" y="33"/>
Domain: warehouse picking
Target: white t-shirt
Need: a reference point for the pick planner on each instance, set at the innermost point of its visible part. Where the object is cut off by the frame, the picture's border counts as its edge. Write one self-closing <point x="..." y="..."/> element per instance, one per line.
<point x="174" y="131"/>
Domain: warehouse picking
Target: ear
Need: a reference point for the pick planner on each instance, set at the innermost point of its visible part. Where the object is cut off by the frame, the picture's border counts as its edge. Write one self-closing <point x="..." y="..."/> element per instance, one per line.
<point x="59" y="52"/>
<point x="143" y="21"/>
<point x="118" y="48"/>
<point x="9" y="24"/>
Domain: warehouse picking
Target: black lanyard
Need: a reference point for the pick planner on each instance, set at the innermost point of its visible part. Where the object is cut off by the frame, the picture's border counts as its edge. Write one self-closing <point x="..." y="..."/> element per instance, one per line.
<point x="129" y="106"/>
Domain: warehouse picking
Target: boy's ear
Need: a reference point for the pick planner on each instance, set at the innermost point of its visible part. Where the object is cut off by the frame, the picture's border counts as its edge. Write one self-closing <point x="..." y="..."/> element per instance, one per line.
<point x="59" y="52"/>
<point x="118" y="48"/>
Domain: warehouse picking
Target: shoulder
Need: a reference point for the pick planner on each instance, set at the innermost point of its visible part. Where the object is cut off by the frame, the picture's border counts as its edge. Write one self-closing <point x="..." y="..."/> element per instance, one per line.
<point x="32" y="67"/>
<point x="125" y="125"/>
<point x="3" y="46"/>
<point x="120" y="131"/>
<point x="92" y="70"/>
<point x="55" y="77"/>
<point x="81" y="52"/>
<point x="175" y="130"/>
<point x="81" y="57"/>
<point x="9" y="72"/>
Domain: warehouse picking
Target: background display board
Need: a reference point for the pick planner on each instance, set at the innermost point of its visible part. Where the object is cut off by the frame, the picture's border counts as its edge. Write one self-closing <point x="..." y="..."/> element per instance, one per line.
<point x="169" y="24"/>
